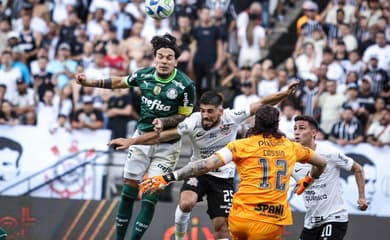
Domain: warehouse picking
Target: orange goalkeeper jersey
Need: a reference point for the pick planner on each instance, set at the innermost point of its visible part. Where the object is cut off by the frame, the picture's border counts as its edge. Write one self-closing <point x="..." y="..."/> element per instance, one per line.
<point x="265" y="166"/>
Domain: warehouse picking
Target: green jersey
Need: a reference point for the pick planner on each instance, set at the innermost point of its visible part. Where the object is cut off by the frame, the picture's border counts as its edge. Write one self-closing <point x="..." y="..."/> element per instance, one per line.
<point x="162" y="97"/>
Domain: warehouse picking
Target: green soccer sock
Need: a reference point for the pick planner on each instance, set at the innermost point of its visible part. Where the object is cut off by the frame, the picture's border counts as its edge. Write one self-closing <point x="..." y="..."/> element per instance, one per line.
<point x="145" y="215"/>
<point x="125" y="209"/>
<point x="3" y="234"/>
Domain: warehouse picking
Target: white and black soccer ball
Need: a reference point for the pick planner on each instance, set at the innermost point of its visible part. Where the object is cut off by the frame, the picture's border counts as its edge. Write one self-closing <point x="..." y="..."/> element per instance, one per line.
<point x="159" y="9"/>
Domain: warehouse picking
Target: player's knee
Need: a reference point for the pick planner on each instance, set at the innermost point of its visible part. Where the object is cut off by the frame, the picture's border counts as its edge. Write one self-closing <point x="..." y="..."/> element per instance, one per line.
<point x="186" y="205"/>
<point x="130" y="182"/>
<point x="220" y="225"/>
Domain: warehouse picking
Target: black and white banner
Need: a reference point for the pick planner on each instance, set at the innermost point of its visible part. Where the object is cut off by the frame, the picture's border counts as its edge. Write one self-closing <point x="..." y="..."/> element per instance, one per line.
<point x="61" y="165"/>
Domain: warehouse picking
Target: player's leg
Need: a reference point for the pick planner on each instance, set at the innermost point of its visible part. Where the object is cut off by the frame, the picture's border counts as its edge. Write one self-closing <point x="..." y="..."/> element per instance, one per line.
<point x="187" y="202"/>
<point x="310" y="234"/>
<point x="134" y="169"/>
<point x="333" y="231"/>
<point x="163" y="160"/>
<point x="219" y="200"/>
<point x="192" y="191"/>
<point x="3" y="234"/>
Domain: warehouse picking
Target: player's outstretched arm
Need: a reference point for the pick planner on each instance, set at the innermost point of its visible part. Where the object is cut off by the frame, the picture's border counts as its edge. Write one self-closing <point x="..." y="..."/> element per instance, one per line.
<point x="149" y="138"/>
<point x="359" y="176"/>
<point x="192" y="169"/>
<point x="109" y="83"/>
<point x="319" y="163"/>
<point x="274" y="98"/>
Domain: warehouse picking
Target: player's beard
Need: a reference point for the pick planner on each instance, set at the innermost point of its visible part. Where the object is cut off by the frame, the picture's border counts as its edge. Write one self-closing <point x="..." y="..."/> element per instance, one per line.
<point x="210" y="126"/>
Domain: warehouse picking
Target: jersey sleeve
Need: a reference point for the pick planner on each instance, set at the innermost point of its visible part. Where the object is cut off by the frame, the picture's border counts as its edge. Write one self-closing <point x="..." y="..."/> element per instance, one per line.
<point x="131" y="80"/>
<point x="187" y="126"/>
<point x="342" y="161"/>
<point x="225" y="154"/>
<point x="187" y="102"/>
<point x="303" y="154"/>
<point x="238" y="115"/>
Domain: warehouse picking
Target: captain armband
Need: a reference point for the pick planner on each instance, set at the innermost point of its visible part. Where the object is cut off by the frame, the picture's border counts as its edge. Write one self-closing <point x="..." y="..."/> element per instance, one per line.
<point x="104" y="83"/>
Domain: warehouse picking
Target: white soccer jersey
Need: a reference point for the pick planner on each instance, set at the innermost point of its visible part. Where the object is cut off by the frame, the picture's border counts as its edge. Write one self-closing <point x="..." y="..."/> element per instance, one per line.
<point x="205" y="143"/>
<point x="323" y="199"/>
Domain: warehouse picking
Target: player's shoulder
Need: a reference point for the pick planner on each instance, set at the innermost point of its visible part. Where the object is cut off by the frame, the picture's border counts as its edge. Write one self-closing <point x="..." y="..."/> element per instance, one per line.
<point x="143" y="73"/>
<point x="183" y="78"/>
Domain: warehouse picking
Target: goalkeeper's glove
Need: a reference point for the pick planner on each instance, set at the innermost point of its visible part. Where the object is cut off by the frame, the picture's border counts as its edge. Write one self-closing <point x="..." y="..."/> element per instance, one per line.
<point x="155" y="183"/>
<point x="302" y="184"/>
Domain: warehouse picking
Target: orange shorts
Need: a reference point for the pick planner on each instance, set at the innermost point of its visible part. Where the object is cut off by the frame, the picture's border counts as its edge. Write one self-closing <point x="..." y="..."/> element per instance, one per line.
<point x="244" y="229"/>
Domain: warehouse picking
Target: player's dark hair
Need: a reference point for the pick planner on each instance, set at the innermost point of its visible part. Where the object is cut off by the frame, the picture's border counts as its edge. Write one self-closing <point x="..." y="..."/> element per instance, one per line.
<point x="12" y="145"/>
<point x="310" y="120"/>
<point x="266" y="122"/>
<point x="165" y="41"/>
<point x="211" y="98"/>
<point x="359" y="158"/>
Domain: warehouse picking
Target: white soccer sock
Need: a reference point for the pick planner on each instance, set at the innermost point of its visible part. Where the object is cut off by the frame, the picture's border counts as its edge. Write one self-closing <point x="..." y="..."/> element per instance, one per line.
<point x="181" y="222"/>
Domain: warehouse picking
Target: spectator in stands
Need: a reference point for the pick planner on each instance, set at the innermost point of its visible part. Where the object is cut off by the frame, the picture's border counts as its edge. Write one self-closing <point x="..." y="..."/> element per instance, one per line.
<point x="63" y="67"/>
<point x="310" y="21"/>
<point x="87" y="117"/>
<point x="247" y="96"/>
<point x="47" y="110"/>
<point x="286" y="120"/>
<point x="42" y="79"/>
<point x="66" y="105"/>
<point x="8" y="74"/>
<point x="250" y="39"/>
<point x="5" y="28"/>
<point x="380" y="104"/>
<point x="97" y="69"/>
<point x="185" y="56"/>
<point x="366" y="96"/>
<point x="378" y="133"/>
<point x="24" y="103"/>
<point x="94" y="27"/>
<point x="29" y="39"/>
<point x="136" y="10"/>
<point x="114" y="57"/>
<point x="3" y="89"/>
<point x="330" y="103"/>
<point x="87" y="57"/>
<point x="335" y="71"/>
<point x="122" y="20"/>
<point x="269" y="83"/>
<point x="19" y="62"/>
<point x="371" y="10"/>
<point x="185" y="8"/>
<point x="379" y="76"/>
<point x="348" y="9"/>
<point x="307" y="61"/>
<point x="352" y="77"/>
<point x="208" y="52"/>
<point x="307" y="95"/>
<point x="346" y="37"/>
<point x="8" y="116"/>
<point x="61" y="126"/>
<point x="348" y="130"/>
<point x="119" y="112"/>
<point x="380" y="49"/>
<point x="353" y="64"/>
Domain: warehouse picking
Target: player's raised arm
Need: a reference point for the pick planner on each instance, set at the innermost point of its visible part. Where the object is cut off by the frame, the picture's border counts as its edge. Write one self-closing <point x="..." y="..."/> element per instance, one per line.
<point x="275" y="98"/>
<point x="109" y="83"/>
<point x="149" y="138"/>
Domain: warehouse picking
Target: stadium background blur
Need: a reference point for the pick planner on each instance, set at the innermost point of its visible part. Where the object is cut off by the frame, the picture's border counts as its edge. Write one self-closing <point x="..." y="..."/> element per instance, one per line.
<point x="338" y="49"/>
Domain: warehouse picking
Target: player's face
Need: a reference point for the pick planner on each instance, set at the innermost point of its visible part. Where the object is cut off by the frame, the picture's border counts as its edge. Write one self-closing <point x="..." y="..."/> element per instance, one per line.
<point x="210" y="115"/>
<point x="165" y="62"/>
<point x="304" y="133"/>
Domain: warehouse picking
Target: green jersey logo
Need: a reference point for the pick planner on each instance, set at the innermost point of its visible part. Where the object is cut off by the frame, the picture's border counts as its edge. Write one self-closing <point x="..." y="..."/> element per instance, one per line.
<point x="155" y="104"/>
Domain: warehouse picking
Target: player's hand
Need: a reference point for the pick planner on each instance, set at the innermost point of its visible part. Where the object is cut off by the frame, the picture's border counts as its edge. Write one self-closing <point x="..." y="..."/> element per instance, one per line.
<point x="362" y="204"/>
<point x="302" y="184"/>
<point x="121" y="143"/>
<point x="80" y="78"/>
<point x="158" y="125"/>
<point x="292" y="87"/>
<point x="155" y="183"/>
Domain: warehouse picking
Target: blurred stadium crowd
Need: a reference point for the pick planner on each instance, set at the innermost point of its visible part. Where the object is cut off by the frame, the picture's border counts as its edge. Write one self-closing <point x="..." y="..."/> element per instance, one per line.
<point x="341" y="58"/>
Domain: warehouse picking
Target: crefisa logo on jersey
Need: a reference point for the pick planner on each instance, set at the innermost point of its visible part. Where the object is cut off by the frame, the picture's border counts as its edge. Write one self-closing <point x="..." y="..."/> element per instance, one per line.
<point x="172" y="93"/>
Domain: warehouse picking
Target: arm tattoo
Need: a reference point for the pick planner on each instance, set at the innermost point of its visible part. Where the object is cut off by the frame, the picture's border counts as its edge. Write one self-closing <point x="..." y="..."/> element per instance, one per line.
<point x="199" y="167"/>
<point x="172" y="121"/>
<point x="104" y="83"/>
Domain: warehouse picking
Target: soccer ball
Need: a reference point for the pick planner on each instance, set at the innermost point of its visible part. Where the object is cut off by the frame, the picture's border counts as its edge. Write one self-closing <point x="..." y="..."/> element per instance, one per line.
<point x="159" y="9"/>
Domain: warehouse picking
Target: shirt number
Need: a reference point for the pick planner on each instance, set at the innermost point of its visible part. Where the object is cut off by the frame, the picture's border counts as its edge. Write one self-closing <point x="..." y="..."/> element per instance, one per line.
<point x="281" y="172"/>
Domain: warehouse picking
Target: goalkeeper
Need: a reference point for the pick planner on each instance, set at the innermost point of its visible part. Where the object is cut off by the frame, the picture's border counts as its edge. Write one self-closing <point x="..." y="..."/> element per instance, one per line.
<point x="326" y="216"/>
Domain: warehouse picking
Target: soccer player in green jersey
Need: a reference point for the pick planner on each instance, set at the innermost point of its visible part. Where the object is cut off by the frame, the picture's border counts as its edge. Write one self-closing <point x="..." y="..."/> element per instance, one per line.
<point x="167" y="98"/>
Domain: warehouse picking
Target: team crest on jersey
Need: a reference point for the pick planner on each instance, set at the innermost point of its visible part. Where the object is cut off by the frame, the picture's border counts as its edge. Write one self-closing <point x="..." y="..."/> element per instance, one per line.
<point x="225" y="129"/>
<point x="157" y="90"/>
<point x="172" y="93"/>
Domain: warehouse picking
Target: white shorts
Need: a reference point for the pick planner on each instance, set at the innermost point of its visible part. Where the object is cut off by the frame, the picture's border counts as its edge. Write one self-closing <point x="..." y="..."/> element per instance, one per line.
<point x="151" y="159"/>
